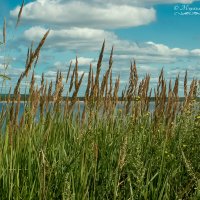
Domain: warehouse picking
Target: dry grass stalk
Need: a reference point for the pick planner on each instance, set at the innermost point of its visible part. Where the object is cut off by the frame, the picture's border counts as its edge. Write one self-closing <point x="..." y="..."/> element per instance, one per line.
<point x="88" y="84"/>
<point x="49" y="95"/>
<point x="21" y="123"/>
<point x="31" y="89"/>
<point x="191" y="96"/>
<point x="176" y="85"/>
<point x="27" y="57"/>
<point x="111" y="85"/>
<point x="58" y="89"/>
<point x="20" y="13"/>
<point x="76" y="73"/>
<point x="185" y="85"/>
<point x="42" y="96"/>
<point x="116" y="89"/>
<point x="95" y="89"/>
<point x="72" y="81"/>
<point x="99" y="64"/>
<point x="68" y="73"/>
<point x="74" y="96"/>
<point x="132" y="87"/>
<point x="35" y="102"/>
<point x="36" y="60"/>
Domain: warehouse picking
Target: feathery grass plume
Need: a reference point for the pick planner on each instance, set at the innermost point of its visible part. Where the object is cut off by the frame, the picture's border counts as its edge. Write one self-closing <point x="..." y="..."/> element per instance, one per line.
<point x="4" y="31"/>
<point x="99" y="64"/>
<point x="176" y="99"/>
<point x="145" y="93"/>
<point x="106" y="76"/>
<point x="170" y="86"/>
<point x="76" y="73"/>
<point x="20" y="14"/>
<point x="42" y="96"/>
<point x="49" y="95"/>
<point x="88" y="84"/>
<point x="68" y="73"/>
<point x="31" y="89"/>
<point x="110" y="85"/>
<point x="31" y="60"/>
<point x="42" y="84"/>
<point x="36" y="60"/>
<point x="35" y="102"/>
<point x="132" y="87"/>
<point x="95" y="89"/>
<point x="74" y="96"/>
<point x="50" y="91"/>
<point x="191" y="96"/>
<point x="175" y="90"/>
<point x="135" y="73"/>
<point x="92" y="80"/>
<point x="58" y="99"/>
<point x="66" y="105"/>
<point x="57" y="79"/>
<point x="185" y="85"/>
<point x="72" y="81"/>
<point x="160" y="99"/>
<point x="103" y="84"/>
<point x="12" y="111"/>
<point x="45" y="92"/>
<point x="21" y="122"/>
<point x="35" y="54"/>
<point x="58" y="87"/>
<point x="169" y="108"/>
<point x="111" y="58"/>
<point x="27" y="57"/>
<point x="116" y="89"/>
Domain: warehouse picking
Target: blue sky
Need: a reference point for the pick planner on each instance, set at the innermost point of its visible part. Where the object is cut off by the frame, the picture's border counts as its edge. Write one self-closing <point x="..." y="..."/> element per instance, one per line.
<point x="156" y="33"/>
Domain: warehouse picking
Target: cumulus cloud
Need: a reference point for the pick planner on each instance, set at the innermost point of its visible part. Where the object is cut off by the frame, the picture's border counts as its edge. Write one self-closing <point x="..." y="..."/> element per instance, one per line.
<point x="87" y="39"/>
<point x="83" y="61"/>
<point x="81" y="14"/>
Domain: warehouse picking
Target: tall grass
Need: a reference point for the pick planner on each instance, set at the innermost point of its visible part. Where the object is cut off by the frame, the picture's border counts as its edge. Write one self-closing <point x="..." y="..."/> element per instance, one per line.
<point x="100" y="152"/>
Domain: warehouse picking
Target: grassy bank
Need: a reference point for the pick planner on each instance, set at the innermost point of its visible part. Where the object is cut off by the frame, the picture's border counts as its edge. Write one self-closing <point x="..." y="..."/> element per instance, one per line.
<point x="111" y="158"/>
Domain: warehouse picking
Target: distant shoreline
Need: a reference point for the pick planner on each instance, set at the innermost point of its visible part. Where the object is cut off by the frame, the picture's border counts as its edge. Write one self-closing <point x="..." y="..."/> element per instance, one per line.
<point x="4" y="97"/>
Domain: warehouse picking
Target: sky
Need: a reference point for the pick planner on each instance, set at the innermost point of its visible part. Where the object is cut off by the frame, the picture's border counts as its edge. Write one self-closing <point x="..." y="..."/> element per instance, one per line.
<point x="155" y="33"/>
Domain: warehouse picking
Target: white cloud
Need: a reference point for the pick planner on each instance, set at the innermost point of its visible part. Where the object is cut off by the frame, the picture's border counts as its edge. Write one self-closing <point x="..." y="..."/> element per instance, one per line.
<point x="164" y="50"/>
<point x="86" y="14"/>
<point x="84" y="39"/>
<point x="196" y="52"/>
<point x="82" y="61"/>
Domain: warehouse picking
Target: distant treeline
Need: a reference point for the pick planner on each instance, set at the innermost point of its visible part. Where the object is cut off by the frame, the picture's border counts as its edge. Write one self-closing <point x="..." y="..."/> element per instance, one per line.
<point x="25" y="97"/>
